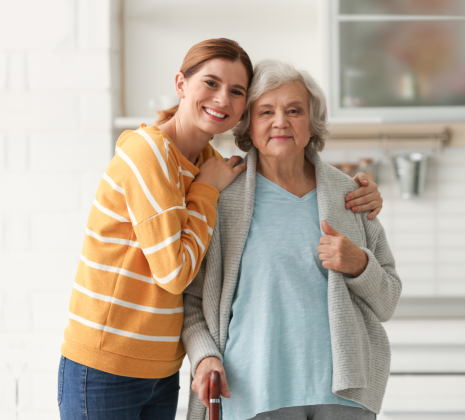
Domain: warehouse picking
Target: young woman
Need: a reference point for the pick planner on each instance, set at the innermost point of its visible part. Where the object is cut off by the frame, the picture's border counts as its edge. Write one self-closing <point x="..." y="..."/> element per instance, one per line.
<point x="147" y="233"/>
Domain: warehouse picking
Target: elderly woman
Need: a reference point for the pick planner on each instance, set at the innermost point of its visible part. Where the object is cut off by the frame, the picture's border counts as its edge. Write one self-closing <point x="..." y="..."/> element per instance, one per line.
<point x="293" y="290"/>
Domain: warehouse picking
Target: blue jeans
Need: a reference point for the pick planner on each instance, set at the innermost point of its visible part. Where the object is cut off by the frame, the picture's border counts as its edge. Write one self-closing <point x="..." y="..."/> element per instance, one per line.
<point x="85" y="393"/>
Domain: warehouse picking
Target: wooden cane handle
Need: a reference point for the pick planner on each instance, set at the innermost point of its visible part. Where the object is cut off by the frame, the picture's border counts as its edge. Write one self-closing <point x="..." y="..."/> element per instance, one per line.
<point x="215" y="387"/>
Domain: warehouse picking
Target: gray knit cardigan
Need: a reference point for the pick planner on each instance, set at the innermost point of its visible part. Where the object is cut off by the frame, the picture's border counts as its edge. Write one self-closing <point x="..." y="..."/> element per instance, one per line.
<point x="357" y="306"/>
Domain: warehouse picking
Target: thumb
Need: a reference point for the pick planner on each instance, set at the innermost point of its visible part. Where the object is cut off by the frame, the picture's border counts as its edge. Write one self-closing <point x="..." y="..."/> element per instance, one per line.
<point x="361" y="179"/>
<point x="328" y="229"/>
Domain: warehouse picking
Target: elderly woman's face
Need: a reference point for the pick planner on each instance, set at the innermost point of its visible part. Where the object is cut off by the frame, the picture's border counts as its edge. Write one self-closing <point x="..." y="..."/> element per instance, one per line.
<point x="280" y="120"/>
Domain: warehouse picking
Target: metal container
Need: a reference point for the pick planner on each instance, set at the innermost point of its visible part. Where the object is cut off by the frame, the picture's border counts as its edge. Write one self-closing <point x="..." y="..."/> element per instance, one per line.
<point x="411" y="173"/>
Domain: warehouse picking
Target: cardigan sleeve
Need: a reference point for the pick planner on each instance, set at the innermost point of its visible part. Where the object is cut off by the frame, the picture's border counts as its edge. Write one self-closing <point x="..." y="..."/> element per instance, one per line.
<point x="195" y="335"/>
<point x="379" y="286"/>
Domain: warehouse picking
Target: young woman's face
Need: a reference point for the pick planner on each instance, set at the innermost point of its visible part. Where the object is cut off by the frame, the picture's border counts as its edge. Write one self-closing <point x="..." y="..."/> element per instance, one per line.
<point x="214" y="98"/>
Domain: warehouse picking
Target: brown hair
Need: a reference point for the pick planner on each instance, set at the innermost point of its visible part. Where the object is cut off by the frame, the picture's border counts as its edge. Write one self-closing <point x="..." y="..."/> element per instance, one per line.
<point x="202" y="52"/>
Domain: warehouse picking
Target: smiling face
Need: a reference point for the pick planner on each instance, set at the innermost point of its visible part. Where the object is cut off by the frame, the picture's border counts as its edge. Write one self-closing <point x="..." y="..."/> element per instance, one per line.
<point x="213" y="99"/>
<point x="280" y="121"/>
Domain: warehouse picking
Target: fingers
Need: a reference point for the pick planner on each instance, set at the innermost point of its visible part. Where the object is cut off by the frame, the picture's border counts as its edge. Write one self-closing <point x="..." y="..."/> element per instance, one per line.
<point x="374" y="213"/>
<point x="224" y="385"/>
<point x="369" y="188"/>
<point x="204" y="390"/>
<point x="365" y="199"/>
<point x="328" y="229"/>
<point x="234" y="160"/>
<point x="361" y="179"/>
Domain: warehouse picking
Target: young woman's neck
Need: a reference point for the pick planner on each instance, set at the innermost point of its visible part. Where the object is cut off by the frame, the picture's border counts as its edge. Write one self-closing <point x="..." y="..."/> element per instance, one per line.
<point x="188" y="138"/>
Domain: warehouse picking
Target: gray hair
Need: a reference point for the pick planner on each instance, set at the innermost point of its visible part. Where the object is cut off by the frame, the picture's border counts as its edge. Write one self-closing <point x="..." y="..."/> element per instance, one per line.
<point x="271" y="74"/>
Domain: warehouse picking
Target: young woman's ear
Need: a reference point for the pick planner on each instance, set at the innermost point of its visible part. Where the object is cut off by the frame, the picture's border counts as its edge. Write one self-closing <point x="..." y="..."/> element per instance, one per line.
<point x="179" y="83"/>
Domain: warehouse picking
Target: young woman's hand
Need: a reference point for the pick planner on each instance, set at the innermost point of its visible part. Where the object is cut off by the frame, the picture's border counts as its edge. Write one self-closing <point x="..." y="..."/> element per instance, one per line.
<point x="220" y="173"/>
<point x="201" y="382"/>
<point x="365" y="198"/>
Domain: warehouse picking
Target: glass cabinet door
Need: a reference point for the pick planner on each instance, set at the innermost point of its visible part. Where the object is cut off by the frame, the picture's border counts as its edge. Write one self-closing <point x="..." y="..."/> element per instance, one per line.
<point x="403" y="7"/>
<point x="399" y="57"/>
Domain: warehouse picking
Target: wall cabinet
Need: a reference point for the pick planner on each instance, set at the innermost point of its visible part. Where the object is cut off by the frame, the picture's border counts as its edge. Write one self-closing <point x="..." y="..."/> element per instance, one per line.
<point x="398" y="60"/>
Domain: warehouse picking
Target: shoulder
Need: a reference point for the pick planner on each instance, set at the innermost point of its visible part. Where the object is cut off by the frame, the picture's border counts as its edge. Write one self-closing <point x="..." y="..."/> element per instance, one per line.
<point x="142" y="140"/>
<point x="337" y="177"/>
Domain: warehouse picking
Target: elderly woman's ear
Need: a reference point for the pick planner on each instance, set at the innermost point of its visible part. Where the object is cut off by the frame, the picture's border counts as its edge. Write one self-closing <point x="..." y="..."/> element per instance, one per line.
<point x="366" y="198"/>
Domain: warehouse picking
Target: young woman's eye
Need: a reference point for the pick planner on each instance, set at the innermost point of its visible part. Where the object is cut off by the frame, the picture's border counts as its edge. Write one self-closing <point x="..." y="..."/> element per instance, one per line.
<point x="237" y="92"/>
<point x="210" y="83"/>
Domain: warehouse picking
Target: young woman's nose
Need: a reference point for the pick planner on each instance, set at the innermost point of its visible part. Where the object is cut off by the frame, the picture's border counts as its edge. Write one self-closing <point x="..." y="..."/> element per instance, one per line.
<point x="222" y="98"/>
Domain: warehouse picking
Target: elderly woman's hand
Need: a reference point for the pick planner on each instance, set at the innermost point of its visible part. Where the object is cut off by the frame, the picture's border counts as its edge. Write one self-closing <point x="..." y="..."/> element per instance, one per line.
<point x="365" y="198"/>
<point x="201" y="382"/>
<point x="339" y="253"/>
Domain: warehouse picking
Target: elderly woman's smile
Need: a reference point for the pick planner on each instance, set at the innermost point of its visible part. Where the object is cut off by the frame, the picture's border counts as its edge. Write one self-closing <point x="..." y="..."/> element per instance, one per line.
<point x="280" y="123"/>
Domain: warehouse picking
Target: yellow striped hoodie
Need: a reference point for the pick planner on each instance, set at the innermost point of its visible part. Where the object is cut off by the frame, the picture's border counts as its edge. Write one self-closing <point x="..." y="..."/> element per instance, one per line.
<point x="147" y="233"/>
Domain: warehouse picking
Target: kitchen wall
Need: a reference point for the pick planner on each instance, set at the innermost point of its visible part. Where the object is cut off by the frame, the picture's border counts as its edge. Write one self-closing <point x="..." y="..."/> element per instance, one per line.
<point x="57" y="90"/>
<point x="59" y="93"/>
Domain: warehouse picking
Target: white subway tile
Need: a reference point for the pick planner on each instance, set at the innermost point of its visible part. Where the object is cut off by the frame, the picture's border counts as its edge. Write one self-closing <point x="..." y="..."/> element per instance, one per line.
<point x="453" y="223"/>
<point x="17" y="73"/>
<point x="29" y="24"/>
<point x="17" y="312"/>
<point x="451" y="289"/>
<point x="452" y="272"/>
<point x="94" y="24"/>
<point x="89" y="184"/>
<point x="385" y="220"/>
<point x="451" y="255"/>
<point x="30" y="192"/>
<point x="409" y="255"/>
<point x="451" y="172"/>
<point x="2" y="153"/>
<point x="450" y="190"/>
<point x="2" y="304"/>
<point x="415" y="206"/>
<point x="67" y="234"/>
<point x="3" y="71"/>
<point x="47" y="271"/>
<point x="17" y="152"/>
<point x="451" y="155"/>
<point x="451" y="239"/>
<point x="446" y="207"/>
<point x="421" y="240"/>
<point x="414" y="223"/>
<point x="95" y="110"/>
<point x="38" y="111"/>
<point x="416" y="272"/>
<point x="71" y="70"/>
<point x="44" y="390"/>
<point x="90" y="152"/>
<point x="17" y="233"/>
<point x="418" y="289"/>
<point x="50" y="311"/>
<point x="2" y="233"/>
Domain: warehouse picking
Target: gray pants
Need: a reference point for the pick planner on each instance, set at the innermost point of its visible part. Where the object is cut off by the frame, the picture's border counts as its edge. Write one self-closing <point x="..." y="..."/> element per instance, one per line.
<point x="318" y="412"/>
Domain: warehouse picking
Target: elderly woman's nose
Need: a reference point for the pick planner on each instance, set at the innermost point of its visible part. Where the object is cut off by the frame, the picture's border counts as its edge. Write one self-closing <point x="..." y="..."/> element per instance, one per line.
<point x="280" y="120"/>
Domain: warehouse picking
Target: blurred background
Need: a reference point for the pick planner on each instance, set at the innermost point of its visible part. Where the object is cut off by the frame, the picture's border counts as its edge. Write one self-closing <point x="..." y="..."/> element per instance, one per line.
<point x="75" y="73"/>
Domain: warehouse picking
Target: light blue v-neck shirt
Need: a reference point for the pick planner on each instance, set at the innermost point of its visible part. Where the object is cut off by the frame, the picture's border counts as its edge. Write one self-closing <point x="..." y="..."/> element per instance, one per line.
<point x="278" y="352"/>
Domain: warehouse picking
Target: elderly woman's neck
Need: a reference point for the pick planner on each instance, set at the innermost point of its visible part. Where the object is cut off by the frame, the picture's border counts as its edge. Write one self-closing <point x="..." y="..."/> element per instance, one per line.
<point x="293" y="173"/>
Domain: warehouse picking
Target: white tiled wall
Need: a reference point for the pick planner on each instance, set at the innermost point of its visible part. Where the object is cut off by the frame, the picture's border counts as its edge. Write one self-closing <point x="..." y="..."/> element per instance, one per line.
<point x="57" y="84"/>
